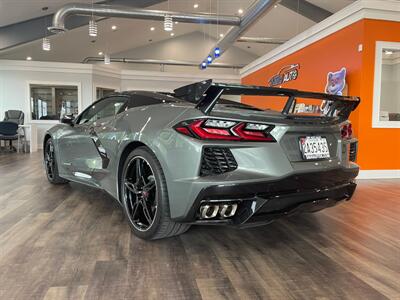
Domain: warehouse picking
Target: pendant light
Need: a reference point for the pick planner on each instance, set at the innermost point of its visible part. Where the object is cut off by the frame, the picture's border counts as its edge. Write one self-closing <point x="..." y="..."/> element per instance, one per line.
<point x="92" y="28"/>
<point x="168" y="23"/>
<point x="46" y="46"/>
<point x="92" y="25"/>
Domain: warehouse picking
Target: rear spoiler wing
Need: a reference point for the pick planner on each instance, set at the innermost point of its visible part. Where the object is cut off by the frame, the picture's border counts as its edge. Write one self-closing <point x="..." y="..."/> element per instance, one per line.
<point x="205" y="95"/>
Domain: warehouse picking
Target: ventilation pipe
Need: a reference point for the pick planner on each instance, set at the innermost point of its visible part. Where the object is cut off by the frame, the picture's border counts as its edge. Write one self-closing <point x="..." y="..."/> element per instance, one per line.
<point x="162" y="62"/>
<point x="116" y="11"/>
<point x="261" y="40"/>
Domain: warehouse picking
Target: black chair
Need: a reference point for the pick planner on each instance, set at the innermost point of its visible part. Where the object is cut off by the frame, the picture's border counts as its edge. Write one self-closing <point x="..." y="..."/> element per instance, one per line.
<point x="9" y="132"/>
<point x="16" y="116"/>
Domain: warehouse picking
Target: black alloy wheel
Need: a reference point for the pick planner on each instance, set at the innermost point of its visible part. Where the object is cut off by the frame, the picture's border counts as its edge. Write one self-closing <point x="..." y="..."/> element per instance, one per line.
<point x="50" y="164"/>
<point x="140" y="193"/>
<point x="144" y="195"/>
<point x="49" y="160"/>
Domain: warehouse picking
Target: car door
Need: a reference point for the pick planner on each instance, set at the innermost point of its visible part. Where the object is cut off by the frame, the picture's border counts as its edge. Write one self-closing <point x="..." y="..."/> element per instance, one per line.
<point x="81" y="148"/>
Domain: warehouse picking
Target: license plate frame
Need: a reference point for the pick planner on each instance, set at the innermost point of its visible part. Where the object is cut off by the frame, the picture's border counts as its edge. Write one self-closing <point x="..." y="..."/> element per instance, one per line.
<point x="319" y="152"/>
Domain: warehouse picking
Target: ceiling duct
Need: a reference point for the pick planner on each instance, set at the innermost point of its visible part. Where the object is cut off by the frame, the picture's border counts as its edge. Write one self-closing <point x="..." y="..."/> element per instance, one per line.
<point x="135" y="13"/>
<point x="161" y="62"/>
<point x="257" y="10"/>
<point x="261" y="40"/>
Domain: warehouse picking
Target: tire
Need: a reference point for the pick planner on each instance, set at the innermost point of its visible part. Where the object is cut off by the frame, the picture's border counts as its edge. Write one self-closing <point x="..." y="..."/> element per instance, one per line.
<point x="149" y="191"/>
<point x="50" y="164"/>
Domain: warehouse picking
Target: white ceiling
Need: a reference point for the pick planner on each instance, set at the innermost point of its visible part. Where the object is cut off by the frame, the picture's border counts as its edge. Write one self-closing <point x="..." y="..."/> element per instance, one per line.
<point x="76" y="44"/>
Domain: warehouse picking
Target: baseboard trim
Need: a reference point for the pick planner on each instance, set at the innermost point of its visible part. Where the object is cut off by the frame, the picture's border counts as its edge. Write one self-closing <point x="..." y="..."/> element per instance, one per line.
<point x="378" y="174"/>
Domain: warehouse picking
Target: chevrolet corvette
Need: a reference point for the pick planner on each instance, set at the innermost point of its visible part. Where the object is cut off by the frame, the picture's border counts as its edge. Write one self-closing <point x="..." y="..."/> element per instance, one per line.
<point x="200" y="156"/>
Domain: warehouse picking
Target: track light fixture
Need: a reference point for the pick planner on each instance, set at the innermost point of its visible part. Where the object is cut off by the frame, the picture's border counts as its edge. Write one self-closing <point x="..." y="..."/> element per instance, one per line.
<point x="46" y="46"/>
<point x="168" y="23"/>
<point x="92" y="28"/>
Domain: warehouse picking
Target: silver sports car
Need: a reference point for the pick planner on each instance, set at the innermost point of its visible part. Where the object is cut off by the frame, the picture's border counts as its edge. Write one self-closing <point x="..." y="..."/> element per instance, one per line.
<point x="198" y="156"/>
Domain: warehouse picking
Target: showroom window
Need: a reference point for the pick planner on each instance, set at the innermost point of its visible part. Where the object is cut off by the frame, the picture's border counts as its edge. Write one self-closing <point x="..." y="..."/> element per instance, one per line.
<point x="386" y="112"/>
<point x="52" y="102"/>
<point x="102" y="92"/>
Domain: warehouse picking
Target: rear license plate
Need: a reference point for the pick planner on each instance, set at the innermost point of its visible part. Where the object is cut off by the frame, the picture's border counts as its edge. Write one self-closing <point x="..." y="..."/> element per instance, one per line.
<point x="314" y="147"/>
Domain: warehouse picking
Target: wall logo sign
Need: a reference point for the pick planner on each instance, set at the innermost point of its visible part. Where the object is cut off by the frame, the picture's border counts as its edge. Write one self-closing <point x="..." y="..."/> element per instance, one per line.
<point x="336" y="82"/>
<point x="287" y="73"/>
<point x="335" y="85"/>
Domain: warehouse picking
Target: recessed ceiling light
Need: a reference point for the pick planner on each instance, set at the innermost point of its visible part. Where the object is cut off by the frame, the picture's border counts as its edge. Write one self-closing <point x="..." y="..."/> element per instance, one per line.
<point x="388" y="52"/>
<point x="196" y="5"/>
<point x="176" y="22"/>
<point x="114" y="27"/>
<point x="28" y="58"/>
<point x="276" y="5"/>
<point x="100" y="53"/>
<point x="240" y="11"/>
<point x="221" y="35"/>
<point x="172" y="34"/>
<point x="152" y="28"/>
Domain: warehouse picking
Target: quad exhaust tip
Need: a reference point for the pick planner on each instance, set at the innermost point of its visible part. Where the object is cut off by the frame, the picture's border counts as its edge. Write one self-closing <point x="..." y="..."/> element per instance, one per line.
<point x="210" y="211"/>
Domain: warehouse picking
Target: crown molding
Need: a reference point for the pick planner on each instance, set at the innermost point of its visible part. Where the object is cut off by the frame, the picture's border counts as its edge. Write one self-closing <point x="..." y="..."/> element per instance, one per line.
<point x="44" y="66"/>
<point x="100" y="70"/>
<point x="172" y="76"/>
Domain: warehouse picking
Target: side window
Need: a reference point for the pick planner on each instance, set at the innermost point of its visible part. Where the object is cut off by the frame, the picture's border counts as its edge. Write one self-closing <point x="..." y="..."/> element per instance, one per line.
<point x="104" y="108"/>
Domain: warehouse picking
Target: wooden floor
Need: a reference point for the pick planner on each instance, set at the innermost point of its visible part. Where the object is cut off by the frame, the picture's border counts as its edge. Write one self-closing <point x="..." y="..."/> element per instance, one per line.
<point x="72" y="242"/>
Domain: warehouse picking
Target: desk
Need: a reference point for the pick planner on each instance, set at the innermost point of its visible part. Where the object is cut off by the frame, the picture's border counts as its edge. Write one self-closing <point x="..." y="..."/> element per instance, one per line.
<point x="32" y="130"/>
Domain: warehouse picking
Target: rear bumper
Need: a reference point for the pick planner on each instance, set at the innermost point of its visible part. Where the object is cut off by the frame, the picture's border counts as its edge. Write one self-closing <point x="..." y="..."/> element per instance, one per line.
<point x="263" y="202"/>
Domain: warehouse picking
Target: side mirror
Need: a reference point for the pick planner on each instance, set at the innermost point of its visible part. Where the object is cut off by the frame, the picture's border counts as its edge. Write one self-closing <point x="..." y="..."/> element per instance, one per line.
<point x="67" y="120"/>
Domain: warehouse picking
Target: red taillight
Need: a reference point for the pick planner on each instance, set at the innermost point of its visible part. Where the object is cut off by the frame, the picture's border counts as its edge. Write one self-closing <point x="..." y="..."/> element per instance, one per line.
<point x="183" y="130"/>
<point x="347" y="131"/>
<point x="213" y="129"/>
<point x="252" y="135"/>
<point x="208" y="133"/>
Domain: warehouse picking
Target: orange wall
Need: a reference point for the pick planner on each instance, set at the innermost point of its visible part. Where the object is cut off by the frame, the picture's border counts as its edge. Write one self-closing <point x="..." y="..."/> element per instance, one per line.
<point x="378" y="148"/>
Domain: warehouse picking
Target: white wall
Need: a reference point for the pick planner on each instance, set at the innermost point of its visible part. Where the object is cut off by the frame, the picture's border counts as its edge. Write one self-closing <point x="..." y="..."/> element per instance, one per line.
<point x="106" y="78"/>
<point x="16" y="75"/>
